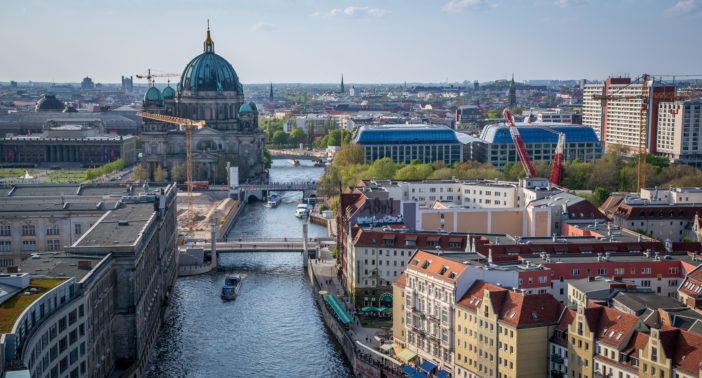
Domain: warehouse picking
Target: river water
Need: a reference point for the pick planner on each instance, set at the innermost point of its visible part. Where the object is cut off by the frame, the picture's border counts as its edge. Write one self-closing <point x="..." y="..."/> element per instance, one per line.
<point x="273" y="328"/>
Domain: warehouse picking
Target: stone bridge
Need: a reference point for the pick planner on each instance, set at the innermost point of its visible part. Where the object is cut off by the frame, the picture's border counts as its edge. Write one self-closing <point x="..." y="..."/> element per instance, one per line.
<point x="253" y="192"/>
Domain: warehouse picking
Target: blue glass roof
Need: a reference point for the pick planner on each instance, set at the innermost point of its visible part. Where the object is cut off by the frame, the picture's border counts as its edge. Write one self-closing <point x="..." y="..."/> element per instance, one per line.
<point x="539" y="133"/>
<point x="405" y="135"/>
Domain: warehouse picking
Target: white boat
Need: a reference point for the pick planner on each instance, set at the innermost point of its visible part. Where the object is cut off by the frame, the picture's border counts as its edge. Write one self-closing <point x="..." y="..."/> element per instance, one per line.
<point x="273" y="200"/>
<point x="232" y="285"/>
<point x="302" y="211"/>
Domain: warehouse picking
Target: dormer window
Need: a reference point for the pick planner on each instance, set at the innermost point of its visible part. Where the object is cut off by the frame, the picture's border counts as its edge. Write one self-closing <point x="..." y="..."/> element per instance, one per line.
<point x="443" y="270"/>
<point x="426" y="264"/>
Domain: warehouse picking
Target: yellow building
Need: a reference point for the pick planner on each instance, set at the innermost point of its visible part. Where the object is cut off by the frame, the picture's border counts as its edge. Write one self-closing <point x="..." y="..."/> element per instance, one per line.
<point x="399" y="338"/>
<point x="502" y="333"/>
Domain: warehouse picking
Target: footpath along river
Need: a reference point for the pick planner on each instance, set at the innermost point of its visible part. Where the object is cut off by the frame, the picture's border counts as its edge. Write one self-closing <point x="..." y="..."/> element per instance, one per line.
<point x="274" y="328"/>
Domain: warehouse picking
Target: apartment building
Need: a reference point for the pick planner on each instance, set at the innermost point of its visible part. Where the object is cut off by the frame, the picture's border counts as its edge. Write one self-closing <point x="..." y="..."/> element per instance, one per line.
<point x="680" y="131"/>
<point x="660" y="220"/>
<point x="399" y="333"/>
<point x="378" y="257"/>
<point x="672" y="195"/>
<point x="548" y="115"/>
<point x="597" y="341"/>
<point x="617" y="120"/>
<point x="433" y="283"/>
<point x="690" y="290"/>
<point x="502" y="333"/>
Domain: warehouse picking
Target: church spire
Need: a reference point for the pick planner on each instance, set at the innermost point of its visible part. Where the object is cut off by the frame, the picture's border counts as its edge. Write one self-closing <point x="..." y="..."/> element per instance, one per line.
<point x="342" y="83"/>
<point x="270" y="94"/>
<point x="209" y="44"/>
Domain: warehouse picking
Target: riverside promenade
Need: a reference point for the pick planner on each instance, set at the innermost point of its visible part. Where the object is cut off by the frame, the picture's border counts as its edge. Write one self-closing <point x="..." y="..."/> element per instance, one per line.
<point x="359" y="343"/>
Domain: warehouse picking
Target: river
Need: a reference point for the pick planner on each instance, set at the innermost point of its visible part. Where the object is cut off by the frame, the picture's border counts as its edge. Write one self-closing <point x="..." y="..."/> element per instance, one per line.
<point x="273" y="329"/>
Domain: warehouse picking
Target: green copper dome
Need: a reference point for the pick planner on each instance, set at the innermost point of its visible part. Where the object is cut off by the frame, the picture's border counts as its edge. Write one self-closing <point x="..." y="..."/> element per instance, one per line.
<point x="209" y="72"/>
<point x="169" y="93"/>
<point x="245" y="108"/>
<point x="153" y="94"/>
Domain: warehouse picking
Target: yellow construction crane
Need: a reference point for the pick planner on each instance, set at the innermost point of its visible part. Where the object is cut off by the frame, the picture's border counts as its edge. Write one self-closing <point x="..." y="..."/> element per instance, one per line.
<point x="187" y="124"/>
<point x="643" y="120"/>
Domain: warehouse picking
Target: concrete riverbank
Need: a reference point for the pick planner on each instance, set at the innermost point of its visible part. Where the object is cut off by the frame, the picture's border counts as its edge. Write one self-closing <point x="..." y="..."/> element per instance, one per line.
<point x="358" y="343"/>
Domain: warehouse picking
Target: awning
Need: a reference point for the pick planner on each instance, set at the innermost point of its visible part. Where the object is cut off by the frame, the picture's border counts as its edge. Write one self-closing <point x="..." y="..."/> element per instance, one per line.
<point x="406" y="355"/>
<point x="388" y="236"/>
<point x="441" y="374"/>
<point x="427" y="366"/>
<point x="338" y="308"/>
<point x="386" y="347"/>
<point x="386" y="297"/>
<point x="369" y="309"/>
<point x="408" y="370"/>
<point x="385" y="309"/>
<point x="419" y="375"/>
<point x="410" y="237"/>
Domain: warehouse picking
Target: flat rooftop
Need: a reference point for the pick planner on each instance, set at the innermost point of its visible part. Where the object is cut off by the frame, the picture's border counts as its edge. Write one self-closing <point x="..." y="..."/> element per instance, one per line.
<point x="59" y="265"/>
<point x="11" y="309"/>
<point x="618" y="257"/>
<point x="121" y="227"/>
<point x="88" y="190"/>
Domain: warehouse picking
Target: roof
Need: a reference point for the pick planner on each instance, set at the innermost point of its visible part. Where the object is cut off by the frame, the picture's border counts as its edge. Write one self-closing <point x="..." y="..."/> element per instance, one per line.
<point x="638" y="302"/>
<point x="405" y="134"/>
<point x="655" y="211"/>
<point x="418" y="240"/>
<point x="683" y="348"/>
<point x="539" y="132"/>
<point x="436" y="266"/>
<point x="59" y="265"/>
<point x="401" y="281"/>
<point x="516" y="309"/>
<point x="209" y="72"/>
<point x="120" y="227"/>
<point x="12" y="308"/>
<point x="692" y="284"/>
<point x="610" y="326"/>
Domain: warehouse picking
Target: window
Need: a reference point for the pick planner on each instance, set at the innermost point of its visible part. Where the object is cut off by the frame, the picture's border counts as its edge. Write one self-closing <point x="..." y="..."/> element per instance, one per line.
<point x="5" y="246"/>
<point x="53" y="230"/>
<point x="5" y="231"/>
<point x="29" y="245"/>
<point x="645" y="270"/>
<point x="78" y="229"/>
<point x="53" y="244"/>
<point x="28" y="230"/>
<point x="575" y="272"/>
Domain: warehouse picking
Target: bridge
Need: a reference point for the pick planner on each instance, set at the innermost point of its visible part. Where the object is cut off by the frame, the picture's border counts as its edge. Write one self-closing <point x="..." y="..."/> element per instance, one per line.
<point x="267" y="245"/>
<point x="258" y="191"/>
<point x="297" y="154"/>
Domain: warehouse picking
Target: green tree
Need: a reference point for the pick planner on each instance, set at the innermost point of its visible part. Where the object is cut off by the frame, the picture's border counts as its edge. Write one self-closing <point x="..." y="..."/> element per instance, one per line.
<point x="178" y="173"/>
<point x="296" y="136"/>
<point x="599" y="195"/>
<point x="334" y="138"/>
<point x="160" y="174"/>
<point x="280" y="138"/>
<point x="267" y="159"/>
<point x="351" y="154"/>
<point x="139" y="174"/>
<point x="383" y="169"/>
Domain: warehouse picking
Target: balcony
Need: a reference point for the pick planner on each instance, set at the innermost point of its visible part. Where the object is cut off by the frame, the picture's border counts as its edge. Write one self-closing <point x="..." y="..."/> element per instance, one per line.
<point x="556" y="358"/>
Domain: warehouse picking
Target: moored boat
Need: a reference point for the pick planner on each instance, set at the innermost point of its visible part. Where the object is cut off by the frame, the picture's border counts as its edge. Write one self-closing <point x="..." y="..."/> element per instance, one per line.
<point x="273" y="200"/>
<point x="302" y="211"/>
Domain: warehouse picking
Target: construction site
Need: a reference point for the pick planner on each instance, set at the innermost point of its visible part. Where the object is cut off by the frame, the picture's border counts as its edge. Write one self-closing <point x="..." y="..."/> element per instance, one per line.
<point x="207" y="207"/>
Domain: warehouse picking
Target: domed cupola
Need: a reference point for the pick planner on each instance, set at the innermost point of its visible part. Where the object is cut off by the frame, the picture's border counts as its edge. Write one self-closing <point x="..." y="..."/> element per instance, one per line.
<point x="49" y="103"/>
<point x="209" y="72"/>
<point x="246" y="108"/>
<point x="168" y="93"/>
<point x="153" y="97"/>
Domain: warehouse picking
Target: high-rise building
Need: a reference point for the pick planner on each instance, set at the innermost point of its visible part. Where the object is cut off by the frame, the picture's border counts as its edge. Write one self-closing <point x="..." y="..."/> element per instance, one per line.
<point x="127" y="83"/>
<point x="679" y="131"/>
<point x="512" y="94"/>
<point x="617" y="120"/>
<point x="476" y="85"/>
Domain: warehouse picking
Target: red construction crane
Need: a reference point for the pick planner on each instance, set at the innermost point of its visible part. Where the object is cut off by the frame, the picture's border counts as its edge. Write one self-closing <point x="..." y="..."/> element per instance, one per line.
<point x="557" y="160"/>
<point x="519" y="145"/>
<point x="148" y="75"/>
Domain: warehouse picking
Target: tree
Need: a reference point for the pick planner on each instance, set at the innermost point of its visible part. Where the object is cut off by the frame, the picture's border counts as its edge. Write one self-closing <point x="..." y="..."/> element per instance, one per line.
<point x="280" y="138"/>
<point x="599" y="195"/>
<point x="296" y="136"/>
<point x="139" y="174"/>
<point x="350" y="154"/>
<point x="383" y="169"/>
<point x="160" y="174"/>
<point x="178" y="173"/>
<point x="267" y="159"/>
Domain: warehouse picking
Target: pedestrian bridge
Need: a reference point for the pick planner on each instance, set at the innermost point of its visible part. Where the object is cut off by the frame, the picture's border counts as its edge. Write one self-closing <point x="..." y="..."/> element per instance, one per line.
<point x="266" y="245"/>
<point x="256" y="192"/>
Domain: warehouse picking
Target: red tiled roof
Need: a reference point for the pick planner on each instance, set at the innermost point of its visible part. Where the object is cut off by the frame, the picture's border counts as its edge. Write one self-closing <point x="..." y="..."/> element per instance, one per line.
<point x="637" y="342"/>
<point x="447" y="270"/>
<point x="516" y="309"/>
<point x="683" y="348"/>
<point x="609" y="325"/>
<point x="692" y="284"/>
<point x="630" y="212"/>
<point x="364" y="238"/>
<point x="401" y="281"/>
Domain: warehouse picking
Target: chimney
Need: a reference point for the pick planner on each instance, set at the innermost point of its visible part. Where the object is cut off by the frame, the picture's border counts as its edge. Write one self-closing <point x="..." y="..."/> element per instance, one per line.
<point x="489" y="256"/>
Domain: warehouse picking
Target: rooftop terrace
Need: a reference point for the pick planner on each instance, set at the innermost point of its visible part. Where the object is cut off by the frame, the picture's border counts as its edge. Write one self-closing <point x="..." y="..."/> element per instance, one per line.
<point x="11" y="309"/>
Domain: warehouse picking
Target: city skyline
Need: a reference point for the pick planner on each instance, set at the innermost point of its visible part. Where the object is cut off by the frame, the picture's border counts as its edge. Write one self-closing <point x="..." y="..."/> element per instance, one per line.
<point x="368" y="41"/>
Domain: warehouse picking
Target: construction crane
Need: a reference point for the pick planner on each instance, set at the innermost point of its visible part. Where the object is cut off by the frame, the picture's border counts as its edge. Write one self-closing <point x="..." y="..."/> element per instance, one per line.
<point x="149" y="76"/>
<point x="519" y="145"/>
<point x="555" y="176"/>
<point x="186" y="124"/>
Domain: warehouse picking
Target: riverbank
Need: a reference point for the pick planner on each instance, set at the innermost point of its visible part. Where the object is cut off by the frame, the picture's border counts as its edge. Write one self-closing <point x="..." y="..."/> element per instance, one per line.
<point x="358" y="343"/>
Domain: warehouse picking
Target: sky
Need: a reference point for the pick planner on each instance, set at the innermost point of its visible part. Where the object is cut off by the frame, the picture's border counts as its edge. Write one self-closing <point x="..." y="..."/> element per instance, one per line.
<point x="383" y="41"/>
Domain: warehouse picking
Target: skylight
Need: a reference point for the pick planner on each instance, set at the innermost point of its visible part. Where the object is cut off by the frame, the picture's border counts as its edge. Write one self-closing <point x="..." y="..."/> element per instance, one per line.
<point x="604" y="331"/>
<point x="619" y="316"/>
<point x="443" y="270"/>
<point x="512" y="316"/>
<point x="415" y="262"/>
<point x="506" y="313"/>
<point x="533" y="316"/>
<point x="619" y="336"/>
<point x="611" y="333"/>
<point x="426" y="264"/>
<point x="452" y="275"/>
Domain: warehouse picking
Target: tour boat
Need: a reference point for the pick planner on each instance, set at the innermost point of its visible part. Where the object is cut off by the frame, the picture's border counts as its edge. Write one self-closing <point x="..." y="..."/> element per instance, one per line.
<point x="302" y="211"/>
<point x="232" y="285"/>
<point x="273" y="200"/>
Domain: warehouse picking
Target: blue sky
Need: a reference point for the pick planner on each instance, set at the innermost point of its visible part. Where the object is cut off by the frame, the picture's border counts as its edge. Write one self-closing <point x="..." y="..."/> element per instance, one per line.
<point x="385" y="41"/>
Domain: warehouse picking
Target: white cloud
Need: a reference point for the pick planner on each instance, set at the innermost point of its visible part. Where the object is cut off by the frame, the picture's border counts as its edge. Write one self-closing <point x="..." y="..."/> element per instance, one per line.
<point x="353" y="12"/>
<point x="567" y="3"/>
<point x="263" y="26"/>
<point x="682" y="7"/>
<point x="456" y="6"/>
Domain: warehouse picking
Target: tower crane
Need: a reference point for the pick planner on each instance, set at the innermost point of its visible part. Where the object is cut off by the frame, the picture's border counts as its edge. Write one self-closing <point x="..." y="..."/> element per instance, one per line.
<point x="148" y="75"/>
<point x="519" y="145"/>
<point x="186" y="124"/>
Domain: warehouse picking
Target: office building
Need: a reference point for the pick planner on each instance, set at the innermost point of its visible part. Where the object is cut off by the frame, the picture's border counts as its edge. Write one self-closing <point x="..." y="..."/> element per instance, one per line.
<point x="405" y="143"/>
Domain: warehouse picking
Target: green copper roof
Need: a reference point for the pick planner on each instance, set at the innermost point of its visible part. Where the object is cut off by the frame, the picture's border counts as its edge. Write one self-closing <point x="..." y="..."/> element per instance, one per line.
<point x="209" y="72"/>
<point x="153" y="94"/>
<point x="245" y="108"/>
<point x="169" y="93"/>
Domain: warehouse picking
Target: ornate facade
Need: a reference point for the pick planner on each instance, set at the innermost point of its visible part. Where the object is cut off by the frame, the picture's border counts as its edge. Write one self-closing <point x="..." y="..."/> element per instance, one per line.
<point x="209" y="90"/>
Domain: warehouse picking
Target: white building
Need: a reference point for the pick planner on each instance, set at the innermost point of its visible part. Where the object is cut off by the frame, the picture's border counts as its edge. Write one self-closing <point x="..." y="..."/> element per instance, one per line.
<point x="433" y="284"/>
<point x="680" y="130"/>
